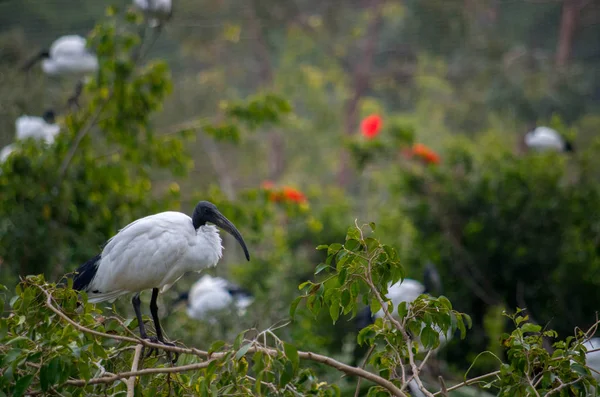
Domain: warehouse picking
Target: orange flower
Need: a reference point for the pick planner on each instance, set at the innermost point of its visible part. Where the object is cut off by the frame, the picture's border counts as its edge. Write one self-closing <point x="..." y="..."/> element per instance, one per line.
<point x="294" y="195"/>
<point x="426" y="154"/>
<point x="371" y="126"/>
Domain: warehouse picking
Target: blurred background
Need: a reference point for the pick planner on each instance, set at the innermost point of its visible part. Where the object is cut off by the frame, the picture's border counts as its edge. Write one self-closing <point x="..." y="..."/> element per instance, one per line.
<point x="410" y="114"/>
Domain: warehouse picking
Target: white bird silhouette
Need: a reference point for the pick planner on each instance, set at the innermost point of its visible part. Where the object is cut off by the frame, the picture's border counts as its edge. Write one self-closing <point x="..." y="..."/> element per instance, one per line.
<point x="38" y="128"/>
<point x="67" y="55"/>
<point x="544" y="138"/>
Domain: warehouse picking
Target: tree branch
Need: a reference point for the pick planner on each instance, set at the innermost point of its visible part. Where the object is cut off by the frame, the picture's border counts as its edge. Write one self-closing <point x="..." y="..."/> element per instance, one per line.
<point x="347" y="369"/>
<point x="134" y="368"/>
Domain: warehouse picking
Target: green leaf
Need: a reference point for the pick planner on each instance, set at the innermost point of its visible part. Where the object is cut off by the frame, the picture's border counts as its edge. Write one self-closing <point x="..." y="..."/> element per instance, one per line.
<point x="334" y="248"/>
<point x="22" y="385"/>
<point x="287" y="375"/>
<point x="529" y="327"/>
<point x="321" y="267"/>
<point x="334" y="312"/>
<point x="238" y="341"/>
<point x="372" y="225"/>
<point x="430" y="338"/>
<point x="352" y="245"/>
<point x="292" y="354"/>
<point x="49" y="373"/>
<point x="216" y="346"/>
<point x="322" y="247"/>
<point x="294" y="305"/>
<point x="243" y="350"/>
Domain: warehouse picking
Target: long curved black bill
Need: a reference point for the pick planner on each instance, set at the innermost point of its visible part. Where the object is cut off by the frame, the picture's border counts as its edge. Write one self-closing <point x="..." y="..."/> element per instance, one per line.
<point x="224" y="223"/>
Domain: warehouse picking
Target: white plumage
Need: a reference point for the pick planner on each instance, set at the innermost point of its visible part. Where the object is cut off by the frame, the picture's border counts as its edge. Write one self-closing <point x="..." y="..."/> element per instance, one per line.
<point x="544" y="139"/>
<point x="409" y="290"/>
<point x="67" y="55"/>
<point x="593" y="359"/>
<point x="153" y="253"/>
<point x="39" y="128"/>
<point x="405" y="291"/>
<point x="157" y="10"/>
<point x="213" y="294"/>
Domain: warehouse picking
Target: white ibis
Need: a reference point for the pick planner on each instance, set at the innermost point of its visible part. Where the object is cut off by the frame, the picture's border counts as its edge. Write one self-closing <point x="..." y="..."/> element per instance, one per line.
<point x="546" y="139"/>
<point x="406" y="290"/>
<point x="67" y="55"/>
<point x="210" y="294"/>
<point x="153" y="253"/>
<point x="39" y="128"/>
<point x="157" y="11"/>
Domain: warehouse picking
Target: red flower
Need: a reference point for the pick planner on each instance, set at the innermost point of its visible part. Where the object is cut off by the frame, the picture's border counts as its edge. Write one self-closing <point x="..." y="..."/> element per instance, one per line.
<point x="294" y="195"/>
<point x="371" y="126"/>
<point x="425" y="153"/>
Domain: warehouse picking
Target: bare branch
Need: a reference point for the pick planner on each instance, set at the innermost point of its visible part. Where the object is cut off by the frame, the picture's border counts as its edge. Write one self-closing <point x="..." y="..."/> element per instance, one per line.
<point x="468" y="382"/>
<point x="134" y="368"/>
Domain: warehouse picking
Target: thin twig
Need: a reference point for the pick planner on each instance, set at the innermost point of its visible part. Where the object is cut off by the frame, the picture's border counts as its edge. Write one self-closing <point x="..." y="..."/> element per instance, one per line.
<point x="468" y="382"/>
<point x="357" y="392"/>
<point x="80" y="135"/>
<point x="134" y="368"/>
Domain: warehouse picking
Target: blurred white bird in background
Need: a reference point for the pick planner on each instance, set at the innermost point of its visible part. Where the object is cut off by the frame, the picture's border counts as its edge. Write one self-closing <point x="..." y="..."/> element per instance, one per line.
<point x="545" y="139"/>
<point x="67" y="55"/>
<point x="157" y="11"/>
<point x="593" y="359"/>
<point x="210" y="295"/>
<point x="42" y="128"/>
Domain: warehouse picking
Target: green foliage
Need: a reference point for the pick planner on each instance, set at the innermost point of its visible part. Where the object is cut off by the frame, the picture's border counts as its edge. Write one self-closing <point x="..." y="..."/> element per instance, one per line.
<point x="532" y="369"/>
<point x="59" y="203"/>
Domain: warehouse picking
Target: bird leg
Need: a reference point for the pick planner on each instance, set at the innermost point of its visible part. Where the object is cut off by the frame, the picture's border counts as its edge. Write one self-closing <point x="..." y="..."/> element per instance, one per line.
<point x="135" y="301"/>
<point x="138" y="313"/>
<point x="159" y="334"/>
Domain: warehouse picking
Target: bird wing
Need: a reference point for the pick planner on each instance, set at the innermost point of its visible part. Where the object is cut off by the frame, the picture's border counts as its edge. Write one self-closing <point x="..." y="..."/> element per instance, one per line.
<point x="6" y="151"/>
<point x="154" y="5"/>
<point x="210" y="301"/>
<point x="77" y="63"/>
<point x="406" y="291"/>
<point x="148" y="253"/>
<point x="544" y="138"/>
<point x="70" y="45"/>
<point x="29" y="127"/>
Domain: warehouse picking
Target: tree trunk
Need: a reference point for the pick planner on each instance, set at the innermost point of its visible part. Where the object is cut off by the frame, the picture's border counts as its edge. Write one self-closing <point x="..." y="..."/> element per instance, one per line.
<point x="568" y="25"/>
<point x="276" y="143"/>
<point x="360" y="81"/>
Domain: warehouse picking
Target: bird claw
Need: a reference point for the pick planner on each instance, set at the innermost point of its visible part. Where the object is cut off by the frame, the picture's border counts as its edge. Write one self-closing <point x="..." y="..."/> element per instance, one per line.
<point x="152" y="351"/>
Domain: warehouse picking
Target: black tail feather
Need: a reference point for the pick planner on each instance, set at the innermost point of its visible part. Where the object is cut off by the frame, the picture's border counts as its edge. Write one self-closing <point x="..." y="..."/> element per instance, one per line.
<point x="86" y="273"/>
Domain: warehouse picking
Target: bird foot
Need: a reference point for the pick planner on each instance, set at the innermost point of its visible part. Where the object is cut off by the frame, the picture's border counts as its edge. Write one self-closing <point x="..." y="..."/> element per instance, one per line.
<point x="172" y="357"/>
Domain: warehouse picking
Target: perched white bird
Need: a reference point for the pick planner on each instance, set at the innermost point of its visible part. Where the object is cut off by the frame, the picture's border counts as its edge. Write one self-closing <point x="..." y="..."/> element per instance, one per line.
<point x="39" y="128"/>
<point x="153" y="253"/>
<point x="544" y="138"/>
<point x="406" y="290"/>
<point x="210" y="294"/>
<point x="67" y="55"/>
<point x="593" y="359"/>
<point x="157" y="11"/>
